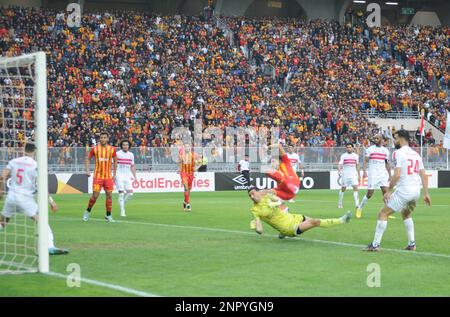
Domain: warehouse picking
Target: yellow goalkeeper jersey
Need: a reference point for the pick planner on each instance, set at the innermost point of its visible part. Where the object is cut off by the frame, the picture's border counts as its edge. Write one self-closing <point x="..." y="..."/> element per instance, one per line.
<point x="270" y="213"/>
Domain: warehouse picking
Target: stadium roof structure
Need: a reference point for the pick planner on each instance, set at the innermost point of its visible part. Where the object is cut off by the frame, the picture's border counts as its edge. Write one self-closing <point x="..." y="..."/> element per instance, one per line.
<point x="402" y="11"/>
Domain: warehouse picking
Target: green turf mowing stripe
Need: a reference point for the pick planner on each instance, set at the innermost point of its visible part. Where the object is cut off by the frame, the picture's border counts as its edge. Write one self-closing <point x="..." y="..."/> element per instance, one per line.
<point x="344" y="244"/>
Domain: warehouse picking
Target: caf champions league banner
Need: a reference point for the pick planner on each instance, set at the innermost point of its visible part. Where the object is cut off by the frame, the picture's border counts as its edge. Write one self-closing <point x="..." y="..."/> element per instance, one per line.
<point x="168" y="182"/>
<point x="67" y="183"/>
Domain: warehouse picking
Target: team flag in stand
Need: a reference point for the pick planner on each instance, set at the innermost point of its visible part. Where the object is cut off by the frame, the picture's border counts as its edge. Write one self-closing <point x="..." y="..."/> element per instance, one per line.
<point x="447" y="132"/>
<point x="422" y="123"/>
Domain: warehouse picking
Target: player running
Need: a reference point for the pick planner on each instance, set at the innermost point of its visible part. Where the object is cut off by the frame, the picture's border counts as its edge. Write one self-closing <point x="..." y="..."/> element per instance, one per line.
<point x="186" y="169"/>
<point x="408" y="173"/>
<point x="377" y="157"/>
<point x="296" y="163"/>
<point x="126" y="172"/>
<point x="268" y="208"/>
<point x="20" y="197"/>
<point x="288" y="183"/>
<point x="105" y="157"/>
<point x="348" y="169"/>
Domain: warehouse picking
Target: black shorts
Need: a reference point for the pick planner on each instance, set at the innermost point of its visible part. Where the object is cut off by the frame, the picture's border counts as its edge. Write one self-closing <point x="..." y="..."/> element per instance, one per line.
<point x="299" y="232"/>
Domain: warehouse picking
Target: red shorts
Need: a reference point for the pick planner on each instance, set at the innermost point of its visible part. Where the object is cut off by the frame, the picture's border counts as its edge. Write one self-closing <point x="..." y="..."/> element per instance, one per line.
<point x="106" y="184"/>
<point x="285" y="189"/>
<point x="187" y="179"/>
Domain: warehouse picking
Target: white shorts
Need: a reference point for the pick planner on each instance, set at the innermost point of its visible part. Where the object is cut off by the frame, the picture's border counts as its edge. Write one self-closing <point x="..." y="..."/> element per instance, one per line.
<point x="399" y="201"/>
<point x="16" y="202"/>
<point x="349" y="181"/>
<point x="377" y="181"/>
<point x="124" y="184"/>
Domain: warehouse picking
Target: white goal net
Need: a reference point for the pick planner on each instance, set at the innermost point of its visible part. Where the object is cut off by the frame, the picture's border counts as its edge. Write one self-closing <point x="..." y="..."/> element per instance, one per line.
<point x="23" y="119"/>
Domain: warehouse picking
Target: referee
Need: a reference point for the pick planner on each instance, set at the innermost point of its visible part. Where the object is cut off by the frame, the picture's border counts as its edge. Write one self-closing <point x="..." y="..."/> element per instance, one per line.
<point x="244" y="168"/>
<point x="203" y="164"/>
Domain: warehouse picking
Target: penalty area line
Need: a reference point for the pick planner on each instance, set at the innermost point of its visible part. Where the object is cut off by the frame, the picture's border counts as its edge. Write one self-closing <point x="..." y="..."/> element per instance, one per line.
<point x="107" y="285"/>
<point x="343" y="244"/>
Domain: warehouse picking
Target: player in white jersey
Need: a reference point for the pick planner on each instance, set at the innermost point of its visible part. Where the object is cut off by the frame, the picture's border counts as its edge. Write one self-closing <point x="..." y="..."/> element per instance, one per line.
<point x="296" y="163"/>
<point x="126" y="172"/>
<point x="409" y="172"/>
<point x="349" y="174"/>
<point x="22" y="172"/>
<point x="377" y="157"/>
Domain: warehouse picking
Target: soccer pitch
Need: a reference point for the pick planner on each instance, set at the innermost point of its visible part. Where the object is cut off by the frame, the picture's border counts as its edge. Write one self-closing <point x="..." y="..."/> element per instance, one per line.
<point x="161" y="250"/>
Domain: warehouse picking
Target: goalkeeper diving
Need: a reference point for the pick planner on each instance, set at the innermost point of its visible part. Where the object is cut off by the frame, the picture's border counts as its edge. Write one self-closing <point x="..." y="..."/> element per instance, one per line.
<point x="269" y="208"/>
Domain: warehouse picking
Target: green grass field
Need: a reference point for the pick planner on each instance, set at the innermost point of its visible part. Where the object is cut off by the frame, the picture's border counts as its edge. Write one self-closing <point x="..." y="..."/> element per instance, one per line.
<point x="159" y="249"/>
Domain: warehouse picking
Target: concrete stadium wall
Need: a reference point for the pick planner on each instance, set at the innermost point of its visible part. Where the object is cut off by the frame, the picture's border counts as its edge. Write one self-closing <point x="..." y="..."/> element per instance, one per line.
<point x="408" y="124"/>
<point x="426" y="18"/>
<point x="22" y="3"/>
<point x="323" y="9"/>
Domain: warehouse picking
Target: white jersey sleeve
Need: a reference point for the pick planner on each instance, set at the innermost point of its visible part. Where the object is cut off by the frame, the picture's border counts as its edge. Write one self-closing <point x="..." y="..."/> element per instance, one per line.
<point x="124" y="162"/>
<point x="349" y="162"/>
<point x="244" y="165"/>
<point x="294" y="158"/>
<point x="378" y="156"/>
<point x="410" y="163"/>
<point x="23" y="175"/>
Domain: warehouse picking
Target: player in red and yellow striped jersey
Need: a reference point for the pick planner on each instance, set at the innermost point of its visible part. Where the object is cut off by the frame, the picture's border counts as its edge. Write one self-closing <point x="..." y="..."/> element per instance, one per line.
<point x="186" y="168"/>
<point x="287" y="179"/>
<point x="105" y="161"/>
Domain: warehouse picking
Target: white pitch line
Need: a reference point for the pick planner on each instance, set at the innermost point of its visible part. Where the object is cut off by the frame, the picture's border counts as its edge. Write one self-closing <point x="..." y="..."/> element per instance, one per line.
<point x="374" y="203"/>
<point x="345" y="244"/>
<point x="107" y="285"/>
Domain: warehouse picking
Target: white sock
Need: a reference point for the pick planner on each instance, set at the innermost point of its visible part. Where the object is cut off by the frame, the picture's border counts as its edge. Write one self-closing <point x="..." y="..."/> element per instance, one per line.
<point x="341" y="197"/>
<point x="364" y="201"/>
<point x="121" y="201"/>
<point x="379" y="231"/>
<point x="409" y="225"/>
<point x="51" y="238"/>
<point x="1" y="227"/>
<point x="356" y="198"/>
<point x="128" y="196"/>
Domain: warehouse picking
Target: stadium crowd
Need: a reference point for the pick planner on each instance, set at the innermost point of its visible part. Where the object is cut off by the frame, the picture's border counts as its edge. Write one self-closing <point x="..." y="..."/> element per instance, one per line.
<point x="139" y="75"/>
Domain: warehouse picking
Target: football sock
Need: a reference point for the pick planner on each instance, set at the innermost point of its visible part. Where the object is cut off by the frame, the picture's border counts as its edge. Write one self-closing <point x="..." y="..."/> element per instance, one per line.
<point x="326" y="223"/>
<point x="121" y="200"/>
<point x="91" y="203"/>
<point x="364" y="201"/>
<point x="341" y="197"/>
<point x="409" y="225"/>
<point x="51" y="243"/>
<point x="292" y="188"/>
<point x="356" y="198"/>
<point x="128" y="196"/>
<point x="186" y="197"/>
<point x="108" y="204"/>
<point x="379" y="231"/>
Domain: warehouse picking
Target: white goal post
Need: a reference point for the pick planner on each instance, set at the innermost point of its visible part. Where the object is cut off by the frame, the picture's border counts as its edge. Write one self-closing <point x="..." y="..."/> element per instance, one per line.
<point x="23" y="89"/>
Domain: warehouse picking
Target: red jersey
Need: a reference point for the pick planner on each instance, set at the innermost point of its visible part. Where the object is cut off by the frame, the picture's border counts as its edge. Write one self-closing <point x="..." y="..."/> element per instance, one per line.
<point x="187" y="162"/>
<point x="103" y="160"/>
<point x="285" y="167"/>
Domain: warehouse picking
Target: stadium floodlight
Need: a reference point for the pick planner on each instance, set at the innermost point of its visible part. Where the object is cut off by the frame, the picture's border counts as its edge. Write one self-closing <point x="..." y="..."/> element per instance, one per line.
<point x="23" y="119"/>
<point x="391" y="3"/>
<point x="359" y="1"/>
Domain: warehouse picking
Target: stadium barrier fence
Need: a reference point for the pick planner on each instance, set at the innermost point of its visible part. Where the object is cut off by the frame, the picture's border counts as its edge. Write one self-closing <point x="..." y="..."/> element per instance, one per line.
<point x="148" y="159"/>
